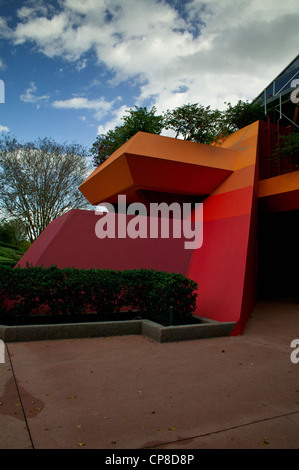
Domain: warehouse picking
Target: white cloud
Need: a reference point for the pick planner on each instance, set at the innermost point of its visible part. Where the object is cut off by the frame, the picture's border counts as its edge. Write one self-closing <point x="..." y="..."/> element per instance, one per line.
<point x="30" y="95"/>
<point x="100" y="107"/>
<point x="81" y="65"/>
<point x="208" y="52"/>
<point x="115" y="120"/>
<point x="4" y="128"/>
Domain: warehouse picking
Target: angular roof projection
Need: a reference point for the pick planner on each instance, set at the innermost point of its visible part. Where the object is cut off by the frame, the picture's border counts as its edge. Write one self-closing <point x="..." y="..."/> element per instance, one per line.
<point x="149" y="162"/>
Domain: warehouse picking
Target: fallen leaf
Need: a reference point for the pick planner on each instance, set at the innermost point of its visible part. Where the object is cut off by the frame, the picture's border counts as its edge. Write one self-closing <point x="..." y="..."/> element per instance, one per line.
<point x="172" y="428"/>
<point x="262" y="443"/>
<point x="81" y="444"/>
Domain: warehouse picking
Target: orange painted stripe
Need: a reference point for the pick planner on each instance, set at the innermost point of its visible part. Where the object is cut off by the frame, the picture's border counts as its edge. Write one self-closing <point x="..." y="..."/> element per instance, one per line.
<point x="239" y="179"/>
<point x="169" y="148"/>
<point x="279" y="184"/>
<point x="245" y="143"/>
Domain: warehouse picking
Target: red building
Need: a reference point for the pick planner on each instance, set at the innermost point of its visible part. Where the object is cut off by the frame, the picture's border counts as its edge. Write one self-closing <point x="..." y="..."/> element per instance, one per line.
<point x="246" y="203"/>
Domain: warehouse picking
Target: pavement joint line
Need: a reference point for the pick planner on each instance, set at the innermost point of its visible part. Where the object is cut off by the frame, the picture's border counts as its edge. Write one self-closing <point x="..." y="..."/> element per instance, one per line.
<point x="20" y="398"/>
<point x="223" y="430"/>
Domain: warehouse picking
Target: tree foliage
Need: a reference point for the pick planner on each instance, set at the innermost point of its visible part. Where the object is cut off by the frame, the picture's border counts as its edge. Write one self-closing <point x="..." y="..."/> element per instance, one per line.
<point x="39" y="181"/>
<point x="12" y="232"/>
<point x="194" y="122"/>
<point x="138" y="119"/>
<point x="241" y="115"/>
<point x="189" y="122"/>
<point x="288" y="147"/>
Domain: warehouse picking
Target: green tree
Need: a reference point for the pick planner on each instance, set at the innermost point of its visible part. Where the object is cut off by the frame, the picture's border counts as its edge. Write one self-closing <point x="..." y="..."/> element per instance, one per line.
<point x="39" y="181"/>
<point x="241" y="115"/>
<point x="194" y="122"/>
<point x="288" y="147"/>
<point x="138" y="119"/>
<point x="12" y="232"/>
<point x="190" y="122"/>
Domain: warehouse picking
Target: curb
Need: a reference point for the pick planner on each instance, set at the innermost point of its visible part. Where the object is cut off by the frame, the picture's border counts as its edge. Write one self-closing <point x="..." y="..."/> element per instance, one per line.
<point x="161" y="334"/>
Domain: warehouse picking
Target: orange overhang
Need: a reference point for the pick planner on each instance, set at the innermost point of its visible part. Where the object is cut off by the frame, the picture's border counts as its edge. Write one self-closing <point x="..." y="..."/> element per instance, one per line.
<point x="162" y="164"/>
<point x="280" y="193"/>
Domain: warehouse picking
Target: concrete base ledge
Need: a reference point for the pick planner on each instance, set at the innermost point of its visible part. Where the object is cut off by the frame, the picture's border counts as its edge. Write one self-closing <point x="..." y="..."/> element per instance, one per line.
<point x="162" y="334"/>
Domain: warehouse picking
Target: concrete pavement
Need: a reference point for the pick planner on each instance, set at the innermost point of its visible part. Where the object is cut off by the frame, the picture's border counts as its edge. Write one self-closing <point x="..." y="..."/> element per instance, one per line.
<point x="131" y="392"/>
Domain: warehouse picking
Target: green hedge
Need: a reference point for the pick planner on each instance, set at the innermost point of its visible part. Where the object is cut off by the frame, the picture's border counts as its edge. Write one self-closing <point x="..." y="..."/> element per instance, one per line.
<point x="64" y="292"/>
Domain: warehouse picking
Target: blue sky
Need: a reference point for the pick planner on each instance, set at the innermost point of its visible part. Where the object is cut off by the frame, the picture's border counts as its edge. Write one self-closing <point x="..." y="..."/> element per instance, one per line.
<point x="72" y="67"/>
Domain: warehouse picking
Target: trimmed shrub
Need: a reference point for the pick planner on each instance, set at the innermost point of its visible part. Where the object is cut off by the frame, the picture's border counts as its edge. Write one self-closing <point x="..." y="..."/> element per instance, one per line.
<point x="62" y="293"/>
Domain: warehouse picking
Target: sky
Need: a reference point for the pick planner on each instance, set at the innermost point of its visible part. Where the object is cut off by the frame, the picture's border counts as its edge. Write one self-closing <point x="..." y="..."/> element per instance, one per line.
<point x="71" y="68"/>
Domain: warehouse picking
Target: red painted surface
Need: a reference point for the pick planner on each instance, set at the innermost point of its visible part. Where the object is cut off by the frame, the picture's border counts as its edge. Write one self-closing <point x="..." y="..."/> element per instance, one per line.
<point x="225" y="266"/>
<point x="218" y="268"/>
<point x="229" y="204"/>
<point x="71" y="241"/>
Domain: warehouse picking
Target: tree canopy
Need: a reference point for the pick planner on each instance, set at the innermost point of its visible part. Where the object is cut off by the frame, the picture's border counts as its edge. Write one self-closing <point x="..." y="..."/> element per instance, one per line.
<point x="12" y="232"/>
<point x="288" y="147"/>
<point x="194" y="122"/>
<point x="39" y="181"/>
<point x="189" y="122"/>
<point x="138" y="119"/>
<point x="241" y="115"/>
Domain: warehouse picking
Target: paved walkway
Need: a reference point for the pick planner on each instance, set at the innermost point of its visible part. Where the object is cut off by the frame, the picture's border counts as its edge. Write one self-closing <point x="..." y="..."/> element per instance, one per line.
<point x="131" y="392"/>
